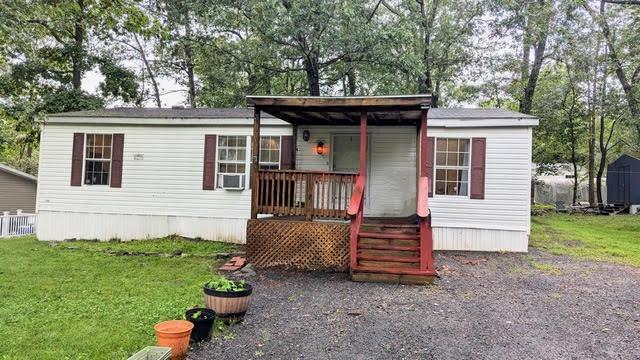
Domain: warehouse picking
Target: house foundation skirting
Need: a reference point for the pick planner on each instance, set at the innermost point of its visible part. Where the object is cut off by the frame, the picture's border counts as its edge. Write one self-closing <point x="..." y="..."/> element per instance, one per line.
<point x="293" y="244"/>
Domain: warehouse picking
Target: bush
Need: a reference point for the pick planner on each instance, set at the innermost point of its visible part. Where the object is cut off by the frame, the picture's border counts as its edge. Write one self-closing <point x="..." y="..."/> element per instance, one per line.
<point x="542" y="209"/>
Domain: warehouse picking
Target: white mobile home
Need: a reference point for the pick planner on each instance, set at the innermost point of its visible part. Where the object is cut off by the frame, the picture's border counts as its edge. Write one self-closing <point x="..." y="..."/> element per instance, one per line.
<point x="143" y="173"/>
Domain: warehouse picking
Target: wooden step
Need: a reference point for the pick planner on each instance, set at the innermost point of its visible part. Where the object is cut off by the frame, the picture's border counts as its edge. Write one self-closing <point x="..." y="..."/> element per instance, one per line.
<point x="390" y="270"/>
<point x="394" y="228"/>
<point x="388" y="247"/>
<point x="389" y="258"/>
<point x="388" y="242"/>
<point x="382" y="235"/>
<point x="383" y="265"/>
<point x="406" y="279"/>
<point x="375" y="252"/>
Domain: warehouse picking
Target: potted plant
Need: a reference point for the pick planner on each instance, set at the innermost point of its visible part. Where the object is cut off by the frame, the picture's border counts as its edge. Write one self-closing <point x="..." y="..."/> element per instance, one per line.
<point x="202" y="319"/>
<point x="228" y="298"/>
<point x="174" y="334"/>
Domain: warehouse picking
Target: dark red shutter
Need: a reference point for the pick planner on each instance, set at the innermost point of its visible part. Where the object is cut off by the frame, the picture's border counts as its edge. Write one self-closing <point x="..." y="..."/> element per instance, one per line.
<point x="116" y="160"/>
<point x="429" y="162"/>
<point x="76" y="159"/>
<point x="209" y="171"/>
<point x="478" y="155"/>
<point x="287" y="153"/>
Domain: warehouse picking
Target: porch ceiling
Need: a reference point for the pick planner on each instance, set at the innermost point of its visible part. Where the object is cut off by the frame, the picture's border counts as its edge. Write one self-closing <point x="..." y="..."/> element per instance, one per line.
<point x="328" y="110"/>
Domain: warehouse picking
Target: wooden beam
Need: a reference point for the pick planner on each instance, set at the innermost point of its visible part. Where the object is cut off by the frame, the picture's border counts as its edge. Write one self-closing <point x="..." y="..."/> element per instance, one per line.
<point x="363" y="143"/>
<point x="255" y="162"/>
<point x="340" y="101"/>
<point x="423" y="143"/>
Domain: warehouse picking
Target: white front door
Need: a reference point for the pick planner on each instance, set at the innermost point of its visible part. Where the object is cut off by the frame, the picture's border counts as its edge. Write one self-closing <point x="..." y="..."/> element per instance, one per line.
<point x="345" y="157"/>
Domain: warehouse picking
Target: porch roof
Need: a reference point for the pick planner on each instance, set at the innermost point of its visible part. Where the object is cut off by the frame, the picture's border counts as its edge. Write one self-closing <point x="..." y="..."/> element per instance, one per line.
<point x="343" y="110"/>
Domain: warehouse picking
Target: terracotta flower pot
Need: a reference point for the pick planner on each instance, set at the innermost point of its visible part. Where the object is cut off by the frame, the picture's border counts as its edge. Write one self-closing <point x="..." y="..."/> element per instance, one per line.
<point x="174" y="334"/>
<point x="229" y="305"/>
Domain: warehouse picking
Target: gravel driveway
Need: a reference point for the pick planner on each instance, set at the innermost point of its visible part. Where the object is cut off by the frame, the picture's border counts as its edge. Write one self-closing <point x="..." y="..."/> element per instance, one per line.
<point x="514" y="306"/>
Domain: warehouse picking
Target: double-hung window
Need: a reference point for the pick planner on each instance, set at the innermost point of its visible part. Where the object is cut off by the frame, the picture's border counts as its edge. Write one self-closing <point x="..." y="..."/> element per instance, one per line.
<point x="232" y="154"/>
<point x="452" y="166"/>
<point x="97" y="164"/>
<point x="270" y="152"/>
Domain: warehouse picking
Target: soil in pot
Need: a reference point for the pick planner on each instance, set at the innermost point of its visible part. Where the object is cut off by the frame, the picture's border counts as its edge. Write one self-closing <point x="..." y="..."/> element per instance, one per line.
<point x="174" y="334"/>
<point x="202" y="319"/>
<point x="230" y="306"/>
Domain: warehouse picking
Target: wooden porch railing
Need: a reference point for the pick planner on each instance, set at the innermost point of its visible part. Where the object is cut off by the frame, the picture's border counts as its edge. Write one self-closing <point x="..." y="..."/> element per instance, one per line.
<point x="312" y="194"/>
<point x="424" y="219"/>
<point x="356" y="212"/>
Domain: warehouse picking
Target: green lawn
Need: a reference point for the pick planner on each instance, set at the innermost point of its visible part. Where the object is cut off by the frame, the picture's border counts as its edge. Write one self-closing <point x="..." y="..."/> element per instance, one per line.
<point x="75" y="300"/>
<point x="602" y="238"/>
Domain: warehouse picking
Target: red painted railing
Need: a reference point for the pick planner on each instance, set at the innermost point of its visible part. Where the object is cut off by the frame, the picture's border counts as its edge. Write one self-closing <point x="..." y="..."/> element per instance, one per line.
<point x="424" y="219"/>
<point x="355" y="211"/>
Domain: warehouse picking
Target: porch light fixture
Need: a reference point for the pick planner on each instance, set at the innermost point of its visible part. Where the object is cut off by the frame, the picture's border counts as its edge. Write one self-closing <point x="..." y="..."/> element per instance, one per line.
<point x="306" y="135"/>
<point x="320" y="149"/>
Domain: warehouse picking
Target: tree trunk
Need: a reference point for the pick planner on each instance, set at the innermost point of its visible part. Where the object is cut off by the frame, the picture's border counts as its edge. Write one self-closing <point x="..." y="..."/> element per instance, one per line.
<point x="188" y="57"/>
<point x="147" y="66"/>
<point x="603" y="161"/>
<point x="530" y="89"/>
<point x="632" y="102"/>
<point x="313" y="75"/>
<point x="538" y="51"/>
<point x="592" y="131"/>
<point x="574" y="160"/>
<point x="351" y="80"/>
<point x="77" y="57"/>
<point x="425" y="82"/>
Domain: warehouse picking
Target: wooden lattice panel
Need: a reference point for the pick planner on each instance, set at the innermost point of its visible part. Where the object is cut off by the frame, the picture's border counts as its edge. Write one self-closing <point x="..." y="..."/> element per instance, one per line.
<point x="304" y="245"/>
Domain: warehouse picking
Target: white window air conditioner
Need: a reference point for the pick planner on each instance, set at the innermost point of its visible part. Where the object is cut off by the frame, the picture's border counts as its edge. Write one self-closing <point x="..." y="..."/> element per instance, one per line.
<point x="232" y="181"/>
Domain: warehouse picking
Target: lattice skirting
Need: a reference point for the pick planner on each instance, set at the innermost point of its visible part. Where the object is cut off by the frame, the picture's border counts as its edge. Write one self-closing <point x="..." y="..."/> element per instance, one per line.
<point x="293" y="244"/>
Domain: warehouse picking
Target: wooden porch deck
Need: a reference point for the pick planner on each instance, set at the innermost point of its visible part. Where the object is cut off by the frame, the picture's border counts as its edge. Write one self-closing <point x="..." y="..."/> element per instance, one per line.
<point x="398" y="250"/>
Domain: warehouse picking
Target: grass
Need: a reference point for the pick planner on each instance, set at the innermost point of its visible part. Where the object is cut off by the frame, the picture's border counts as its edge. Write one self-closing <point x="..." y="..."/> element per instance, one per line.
<point x="545" y="267"/>
<point x="601" y="238"/>
<point x="57" y="303"/>
<point x="172" y="245"/>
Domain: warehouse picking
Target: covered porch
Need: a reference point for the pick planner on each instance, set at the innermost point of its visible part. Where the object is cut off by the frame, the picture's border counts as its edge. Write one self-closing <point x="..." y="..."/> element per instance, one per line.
<point x="314" y="217"/>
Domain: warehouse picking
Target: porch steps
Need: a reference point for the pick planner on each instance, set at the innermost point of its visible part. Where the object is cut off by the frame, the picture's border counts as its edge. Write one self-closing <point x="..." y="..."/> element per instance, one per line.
<point x="390" y="252"/>
<point x="389" y="235"/>
<point x="388" y="247"/>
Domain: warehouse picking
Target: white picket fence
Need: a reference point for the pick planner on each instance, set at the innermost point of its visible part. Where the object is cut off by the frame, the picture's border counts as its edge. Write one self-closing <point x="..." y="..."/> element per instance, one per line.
<point x="18" y="224"/>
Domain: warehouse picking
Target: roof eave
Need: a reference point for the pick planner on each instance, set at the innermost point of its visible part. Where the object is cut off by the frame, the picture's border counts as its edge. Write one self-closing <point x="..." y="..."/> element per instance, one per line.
<point x="16" y="172"/>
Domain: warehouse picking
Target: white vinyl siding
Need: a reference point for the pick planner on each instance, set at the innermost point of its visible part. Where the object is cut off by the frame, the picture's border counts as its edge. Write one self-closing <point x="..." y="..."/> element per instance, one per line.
<point x="162" y="191"/>
<point x="391" y="177"/>
<point x="506" y="205"/>
<point x="161" y="176"/>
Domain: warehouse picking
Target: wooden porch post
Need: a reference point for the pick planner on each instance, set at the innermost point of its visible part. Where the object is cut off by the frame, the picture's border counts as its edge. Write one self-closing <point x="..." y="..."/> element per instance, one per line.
<point x="423" y="144"/>
<point x="255" y="162"/>
<point x="426" y="234"/>
<point x="363" y="143"/>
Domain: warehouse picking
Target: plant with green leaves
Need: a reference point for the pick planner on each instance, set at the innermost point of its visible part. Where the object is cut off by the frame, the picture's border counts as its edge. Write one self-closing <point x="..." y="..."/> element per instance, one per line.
<point x="226" y="285"/>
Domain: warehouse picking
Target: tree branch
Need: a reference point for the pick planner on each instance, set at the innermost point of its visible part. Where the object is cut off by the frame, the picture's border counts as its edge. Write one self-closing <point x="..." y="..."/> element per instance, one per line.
<point x="389" y="7"/>
<point x="623" y="2"/>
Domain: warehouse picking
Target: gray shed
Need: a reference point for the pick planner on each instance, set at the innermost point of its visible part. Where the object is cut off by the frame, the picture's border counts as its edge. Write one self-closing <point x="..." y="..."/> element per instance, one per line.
<point x="623" y="181"/>
<point x="17" y="190"/>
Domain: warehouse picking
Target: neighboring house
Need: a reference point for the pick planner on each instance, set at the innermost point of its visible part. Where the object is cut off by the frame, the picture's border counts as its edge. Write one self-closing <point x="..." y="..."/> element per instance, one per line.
<point x="557" y="188"/>
<point x="142" y="173"/>
<point x="623" y="181"/>
<point x="17" y="190"/>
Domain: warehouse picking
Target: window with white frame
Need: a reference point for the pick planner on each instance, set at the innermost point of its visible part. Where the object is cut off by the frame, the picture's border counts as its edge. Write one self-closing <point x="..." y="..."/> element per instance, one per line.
<point x="97" y="164"/>
<point x="270" y="152"/>
<point x="452" y="166"/>
<point x="232" y="154"/>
